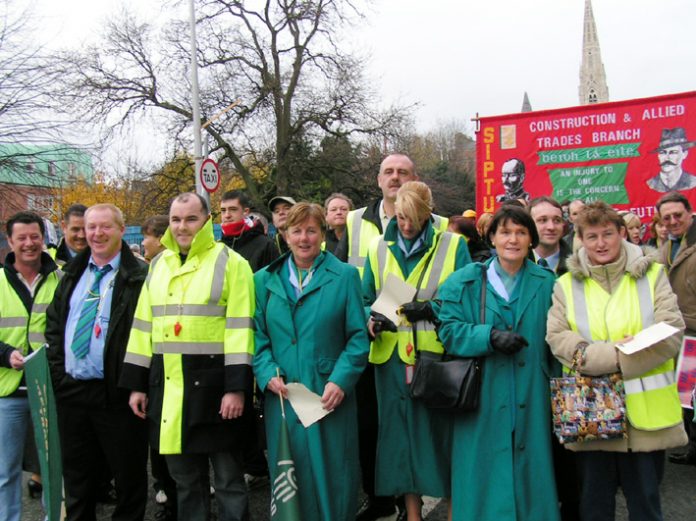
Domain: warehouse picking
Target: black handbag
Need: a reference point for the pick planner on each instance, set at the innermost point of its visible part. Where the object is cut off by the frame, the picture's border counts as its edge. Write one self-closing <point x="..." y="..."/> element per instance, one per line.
<point x="448" y="382"/>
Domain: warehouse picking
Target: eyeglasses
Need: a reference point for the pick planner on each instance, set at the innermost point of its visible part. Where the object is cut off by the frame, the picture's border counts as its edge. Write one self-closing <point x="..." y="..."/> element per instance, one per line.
<point x="673" y="217"/>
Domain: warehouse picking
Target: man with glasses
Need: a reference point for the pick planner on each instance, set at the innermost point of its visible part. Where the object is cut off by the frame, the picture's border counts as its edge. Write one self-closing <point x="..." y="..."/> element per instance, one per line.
<point x="679" y="255"/>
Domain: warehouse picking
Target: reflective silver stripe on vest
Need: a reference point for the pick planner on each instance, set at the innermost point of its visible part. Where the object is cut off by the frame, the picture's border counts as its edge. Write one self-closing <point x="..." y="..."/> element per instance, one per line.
<point x="238" y="359"/>
<point x="13" y="321"/>
<point x="189" y="348"/>
<point x="437" y="221"/>
<point x="355" y="259"/>
<point x="37" y="338"/>
<point x="39" y="308"/>
<point x="649" y="383"/>
<point x="195" y="310"/>
<point x="381" y="262"/>
<point x="239" y="323"/>
<point x="60" y="274"/>
<point x="142" y="325"/>
<point x="219" y="276"/>
<point x="403" y="329"/>
<point x="153" y="263"/>
<point x="438" y="263"/>
<point x="139" y="360"/>
<point x="580" y="303"/>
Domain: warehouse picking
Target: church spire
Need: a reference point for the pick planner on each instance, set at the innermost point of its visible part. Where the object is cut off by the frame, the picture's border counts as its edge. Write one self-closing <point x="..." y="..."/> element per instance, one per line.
<point x="593" y="81"/>
<point x="526" y="105"/>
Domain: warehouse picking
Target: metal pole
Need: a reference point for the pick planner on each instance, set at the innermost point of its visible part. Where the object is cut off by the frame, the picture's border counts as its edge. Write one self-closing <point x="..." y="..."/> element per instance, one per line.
<point x="195" y="103"/>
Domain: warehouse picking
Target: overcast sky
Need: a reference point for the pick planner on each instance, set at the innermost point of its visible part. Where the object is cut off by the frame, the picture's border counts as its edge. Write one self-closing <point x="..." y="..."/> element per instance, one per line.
<point x="457" y="58"/>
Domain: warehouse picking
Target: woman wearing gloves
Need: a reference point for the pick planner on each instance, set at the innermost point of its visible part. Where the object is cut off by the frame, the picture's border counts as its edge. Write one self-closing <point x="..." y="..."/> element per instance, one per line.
<point x="413" y="442"/>
<point x="502" y="466"/>
<point x="612" y="292"/>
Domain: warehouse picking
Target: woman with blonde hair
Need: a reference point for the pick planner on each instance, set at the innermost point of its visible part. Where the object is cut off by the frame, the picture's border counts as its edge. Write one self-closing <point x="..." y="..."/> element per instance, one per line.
<point x="633" y="228"/>
<point x="413" y="444"/>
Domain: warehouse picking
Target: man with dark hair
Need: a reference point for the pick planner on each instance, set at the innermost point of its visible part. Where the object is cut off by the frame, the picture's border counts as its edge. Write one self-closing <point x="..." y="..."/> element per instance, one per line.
<point x="512" y="175"/>
<point x="671" y="153"/>
<point x="73" y="241"/>
<point x="244" y="234"/>
<point x="188" y="362"/>
<point x="552" y="251"/>
<point x="87" y="329"/>
<point x="678" y="253"/>
<point x="280" y="206"/>
<point x="27" y="283"/>
<point x="152" y="229"/>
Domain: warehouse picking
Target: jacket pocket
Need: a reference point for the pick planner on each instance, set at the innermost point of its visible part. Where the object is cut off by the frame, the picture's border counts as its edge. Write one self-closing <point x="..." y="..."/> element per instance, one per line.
<point x="326" y="366"/>
<point x="205" y="394"/>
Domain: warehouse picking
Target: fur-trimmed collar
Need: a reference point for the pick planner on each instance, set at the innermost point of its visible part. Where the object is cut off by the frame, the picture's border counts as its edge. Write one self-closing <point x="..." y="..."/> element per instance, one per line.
<point x="634" y="260"/>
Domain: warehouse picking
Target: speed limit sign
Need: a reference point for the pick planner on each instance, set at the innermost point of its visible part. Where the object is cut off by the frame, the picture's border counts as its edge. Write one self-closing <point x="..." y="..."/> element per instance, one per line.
<point x="210" y="175"/>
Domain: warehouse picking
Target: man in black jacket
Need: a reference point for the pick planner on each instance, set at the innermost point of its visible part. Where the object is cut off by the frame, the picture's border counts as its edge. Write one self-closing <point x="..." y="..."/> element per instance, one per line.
<point x="551" y="252"/>
<point x="245" y="235"/>
<point x="87" y="330"/>
<point x="73" y="241"/>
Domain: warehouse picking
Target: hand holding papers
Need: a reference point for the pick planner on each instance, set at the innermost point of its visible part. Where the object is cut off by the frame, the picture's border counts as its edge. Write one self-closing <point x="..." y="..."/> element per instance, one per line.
<point x="646" y="338"/>
<point x="395" y="294"/>
<point x="307" y="405"/>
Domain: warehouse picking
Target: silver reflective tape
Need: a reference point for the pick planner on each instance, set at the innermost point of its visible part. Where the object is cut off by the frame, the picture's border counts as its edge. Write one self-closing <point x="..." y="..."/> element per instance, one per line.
<point x="438" y="263"/>
<point x="142" y="325"/>
<point x="647" y="313"/>
<point x="153" y="263"/>
<point x="354" y="258"/>
<point x="437" y="221"/>
<point x="238" y="359"/>
<point x="239" y="323"/>
<point x="36" y="338"/>
<point x="404" y="329"/>
<point x="195" y="310"/>
<point x="580" y="303"/>
<point x="59" y="274"/>
<point x="13" y="322"/>
<point x="381" y="262"/>
<point x="39" y="308"/>
<point x="189" y="348"/>
<point x="139" y="360"/>
<point x="219" y="272"/>
<point x="649" y="383"/>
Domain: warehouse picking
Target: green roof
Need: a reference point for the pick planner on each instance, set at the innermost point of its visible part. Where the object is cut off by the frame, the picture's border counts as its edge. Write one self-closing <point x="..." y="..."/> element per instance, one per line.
<point x="43" y="165"/>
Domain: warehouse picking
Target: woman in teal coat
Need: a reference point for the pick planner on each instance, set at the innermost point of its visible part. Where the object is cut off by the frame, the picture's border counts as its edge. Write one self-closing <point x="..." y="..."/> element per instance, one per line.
<point x="413" y="444"/>
<point x="502" y="467"/>
<point x="310" y="328"/>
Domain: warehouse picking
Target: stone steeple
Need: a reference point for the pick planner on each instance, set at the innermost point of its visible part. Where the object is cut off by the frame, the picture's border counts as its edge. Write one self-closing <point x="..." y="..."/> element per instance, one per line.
<point x="593" y="82"/>
<point x="526" y="106"/>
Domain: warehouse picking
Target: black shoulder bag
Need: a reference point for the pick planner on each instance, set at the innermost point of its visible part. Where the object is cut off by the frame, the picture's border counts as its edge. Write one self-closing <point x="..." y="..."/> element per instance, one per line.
<point x="448" y="382"/>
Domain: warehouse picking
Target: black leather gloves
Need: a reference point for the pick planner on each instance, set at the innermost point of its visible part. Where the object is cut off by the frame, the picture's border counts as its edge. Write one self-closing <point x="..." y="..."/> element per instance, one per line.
<point x="415" y="311"/>
<point x="507" y="342"/>
<point x="382" y="323"/>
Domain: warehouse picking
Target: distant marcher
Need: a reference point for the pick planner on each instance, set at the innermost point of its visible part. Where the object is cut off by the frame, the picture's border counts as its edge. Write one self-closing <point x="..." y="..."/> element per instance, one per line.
<point x="336" y="206"/>
<point x="478" y="249"/>
<point x="633" y="228"/>
<point x="153" y="229"/>
<point x="658" y="231"/>
<point x="280" y="206"/>
<point x="73" y="227"/>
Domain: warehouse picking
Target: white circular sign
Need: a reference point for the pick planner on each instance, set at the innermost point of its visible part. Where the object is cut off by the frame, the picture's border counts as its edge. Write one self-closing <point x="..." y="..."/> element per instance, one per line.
<point x="210" y="175"/>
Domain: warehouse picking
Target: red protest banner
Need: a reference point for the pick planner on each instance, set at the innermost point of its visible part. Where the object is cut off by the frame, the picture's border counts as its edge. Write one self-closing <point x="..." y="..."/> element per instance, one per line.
<point x="626" y="153"/>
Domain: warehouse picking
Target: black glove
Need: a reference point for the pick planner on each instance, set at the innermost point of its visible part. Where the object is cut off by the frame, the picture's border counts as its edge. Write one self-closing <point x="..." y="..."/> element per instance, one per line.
<point x="382" y="323"/>
<point x="507" y="342"/>
<point x="415" y="311"/>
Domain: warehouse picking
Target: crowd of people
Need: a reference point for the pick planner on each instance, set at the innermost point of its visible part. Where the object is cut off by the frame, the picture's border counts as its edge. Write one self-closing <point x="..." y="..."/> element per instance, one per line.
<point x="183" y="353"/>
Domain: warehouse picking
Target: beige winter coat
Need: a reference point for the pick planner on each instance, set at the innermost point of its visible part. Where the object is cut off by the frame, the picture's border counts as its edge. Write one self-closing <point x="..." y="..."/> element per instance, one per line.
<point x="682" y="276"/>
<point x="602" y="357"/>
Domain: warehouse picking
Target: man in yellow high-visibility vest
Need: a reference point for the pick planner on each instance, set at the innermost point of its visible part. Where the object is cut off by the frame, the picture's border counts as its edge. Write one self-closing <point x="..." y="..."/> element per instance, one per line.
<point x="611" y="292"/>
<point x="188" y="362"/>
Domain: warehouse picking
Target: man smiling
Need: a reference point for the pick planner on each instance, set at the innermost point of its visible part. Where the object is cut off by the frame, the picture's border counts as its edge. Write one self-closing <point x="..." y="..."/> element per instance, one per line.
<point x="551" y="252"/>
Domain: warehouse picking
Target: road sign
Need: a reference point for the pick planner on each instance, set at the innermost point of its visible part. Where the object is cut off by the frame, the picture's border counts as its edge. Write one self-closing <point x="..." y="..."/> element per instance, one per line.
<point x="210" y="175"/>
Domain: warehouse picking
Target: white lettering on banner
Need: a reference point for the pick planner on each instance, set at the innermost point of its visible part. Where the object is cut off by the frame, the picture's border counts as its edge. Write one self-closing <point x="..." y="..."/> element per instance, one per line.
<point x="616" y="135"/>
<point x="284" y="486"/>
<point x="559" y="141"/>
<point x="588" y="120"/>
<point x="667" y="111"/>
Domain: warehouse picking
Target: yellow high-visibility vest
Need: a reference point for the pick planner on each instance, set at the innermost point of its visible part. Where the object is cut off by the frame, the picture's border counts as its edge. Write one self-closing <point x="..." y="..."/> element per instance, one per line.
<point x="362" y="232"/>
<point x="441" y="266"/>
<point x="652" y="400"/>
<point x="21" y="329"/>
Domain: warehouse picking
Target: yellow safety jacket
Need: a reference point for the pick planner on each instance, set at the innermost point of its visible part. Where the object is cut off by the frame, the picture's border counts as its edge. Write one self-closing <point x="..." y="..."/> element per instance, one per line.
<point x="202" y="307"/>
<point x="362" y="232"/>
<point x="652" y="401"/>
<point x="21" y="329"/>
<point x="441" y="258"/>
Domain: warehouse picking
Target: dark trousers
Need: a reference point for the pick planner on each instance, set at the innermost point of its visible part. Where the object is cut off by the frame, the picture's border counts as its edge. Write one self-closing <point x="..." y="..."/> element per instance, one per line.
<point x="368" y="425"/>
<point x="122" y="437"/>
<point x="567" y="485"/>
<point x="637" y="473"/>
<point x="690" y="428"/>
<point x="161" y="478"/>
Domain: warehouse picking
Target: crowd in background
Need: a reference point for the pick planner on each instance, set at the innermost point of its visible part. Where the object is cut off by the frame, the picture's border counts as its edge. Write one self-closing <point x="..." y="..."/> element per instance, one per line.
<point x="186" y="345"/>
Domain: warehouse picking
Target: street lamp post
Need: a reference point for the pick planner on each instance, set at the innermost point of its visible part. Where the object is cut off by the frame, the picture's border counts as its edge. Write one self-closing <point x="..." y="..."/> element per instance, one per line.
<point x="197" y="145"/>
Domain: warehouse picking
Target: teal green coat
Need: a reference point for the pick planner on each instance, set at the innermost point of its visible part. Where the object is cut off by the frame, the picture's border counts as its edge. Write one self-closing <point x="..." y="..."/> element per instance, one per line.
<point x="320" y="338"/>
<point x="502" y="468"/>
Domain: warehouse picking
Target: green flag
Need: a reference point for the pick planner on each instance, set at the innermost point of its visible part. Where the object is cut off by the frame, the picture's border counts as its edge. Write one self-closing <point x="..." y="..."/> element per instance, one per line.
<point x="43" y="415"/>
<point x="285" y="501"/>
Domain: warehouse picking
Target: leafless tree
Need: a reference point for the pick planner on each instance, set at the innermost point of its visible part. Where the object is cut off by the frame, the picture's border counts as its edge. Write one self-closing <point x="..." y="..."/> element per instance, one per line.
<point x="283" y="59"/>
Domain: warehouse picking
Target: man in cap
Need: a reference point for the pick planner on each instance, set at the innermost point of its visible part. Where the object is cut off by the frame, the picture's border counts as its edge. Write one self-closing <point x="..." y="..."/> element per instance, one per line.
<point x="671" y="153"/>
<point x="280" y="206"/>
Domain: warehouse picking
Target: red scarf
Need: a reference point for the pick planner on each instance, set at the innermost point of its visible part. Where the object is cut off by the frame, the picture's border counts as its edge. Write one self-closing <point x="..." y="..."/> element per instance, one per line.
<point x="236" y="229"/>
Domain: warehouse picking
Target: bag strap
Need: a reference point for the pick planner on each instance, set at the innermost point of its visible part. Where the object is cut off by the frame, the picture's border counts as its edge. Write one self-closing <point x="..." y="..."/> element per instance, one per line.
<point x="484" y="284"/>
